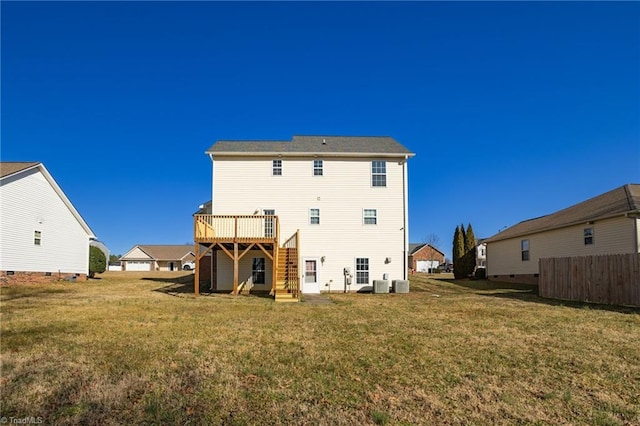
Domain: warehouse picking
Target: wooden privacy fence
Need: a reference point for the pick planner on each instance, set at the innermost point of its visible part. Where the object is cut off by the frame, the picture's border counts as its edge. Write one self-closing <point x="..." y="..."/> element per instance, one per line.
<point x="613" y="279"/>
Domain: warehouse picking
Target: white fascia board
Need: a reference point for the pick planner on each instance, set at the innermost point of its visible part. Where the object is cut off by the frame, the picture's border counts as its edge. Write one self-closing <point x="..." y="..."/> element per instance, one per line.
<point x="311" y="154"/>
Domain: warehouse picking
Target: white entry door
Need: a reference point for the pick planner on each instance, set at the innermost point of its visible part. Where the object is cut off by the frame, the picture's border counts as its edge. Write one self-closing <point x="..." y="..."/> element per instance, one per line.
<point x="310" y="276"/>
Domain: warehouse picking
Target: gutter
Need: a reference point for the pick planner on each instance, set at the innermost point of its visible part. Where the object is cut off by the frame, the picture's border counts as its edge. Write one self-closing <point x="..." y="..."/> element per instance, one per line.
<point x="635" y="214"/>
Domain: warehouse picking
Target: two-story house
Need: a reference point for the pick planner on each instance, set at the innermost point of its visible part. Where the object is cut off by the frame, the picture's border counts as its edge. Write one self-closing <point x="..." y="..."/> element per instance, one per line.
<point x="314" y="214"/>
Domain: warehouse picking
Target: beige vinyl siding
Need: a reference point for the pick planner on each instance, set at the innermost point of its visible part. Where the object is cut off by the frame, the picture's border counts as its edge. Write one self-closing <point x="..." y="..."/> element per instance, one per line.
<point x="611" y="236"/>
<point x="30" y="203"/>
<point x="225" y="271"/>
<point x="341" y="194"/>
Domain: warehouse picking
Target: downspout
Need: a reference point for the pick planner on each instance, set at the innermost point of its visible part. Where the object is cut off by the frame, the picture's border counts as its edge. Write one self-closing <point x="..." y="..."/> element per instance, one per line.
<point x="635" y="215"/>
<point x="405" y="197"/>
<point x="212" y="182"/>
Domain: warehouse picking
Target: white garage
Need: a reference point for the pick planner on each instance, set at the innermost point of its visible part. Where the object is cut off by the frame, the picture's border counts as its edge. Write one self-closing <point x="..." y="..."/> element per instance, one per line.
<point x="425" y="265"/>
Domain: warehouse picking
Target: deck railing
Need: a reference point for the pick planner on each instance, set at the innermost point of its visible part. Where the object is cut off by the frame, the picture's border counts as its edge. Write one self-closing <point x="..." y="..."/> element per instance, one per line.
<point x="292" y="242"/>
<point x="211" y="228"/>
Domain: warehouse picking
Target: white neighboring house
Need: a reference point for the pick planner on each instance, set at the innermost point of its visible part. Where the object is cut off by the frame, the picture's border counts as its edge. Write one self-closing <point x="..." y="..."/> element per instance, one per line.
<point x="158" y="258"/>
<point x="347" y="197"/>
<point x="42" y="235"/>
<point x="481" y="254"/>
<point x="606" y="224"/>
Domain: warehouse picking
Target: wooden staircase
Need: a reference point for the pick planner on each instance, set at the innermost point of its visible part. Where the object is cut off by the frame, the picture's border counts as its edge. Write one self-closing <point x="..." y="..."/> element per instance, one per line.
<point x="287" y="281"/>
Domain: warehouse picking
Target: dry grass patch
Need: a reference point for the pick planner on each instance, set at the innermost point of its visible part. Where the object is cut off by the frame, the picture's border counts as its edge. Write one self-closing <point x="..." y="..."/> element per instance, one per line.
<point x="139" y="348"/>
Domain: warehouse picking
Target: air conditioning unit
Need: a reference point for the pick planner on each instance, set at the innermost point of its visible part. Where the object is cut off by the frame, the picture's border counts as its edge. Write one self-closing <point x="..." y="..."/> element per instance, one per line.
<point x="400" y="286"/>
<point x="380" y="286"/>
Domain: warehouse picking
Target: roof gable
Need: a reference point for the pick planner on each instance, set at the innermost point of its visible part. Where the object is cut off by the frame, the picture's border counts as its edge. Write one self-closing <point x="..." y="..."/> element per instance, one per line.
<point x="616" y="202"/>
<point x="415" y="248"/>
<point x="313" y="145"/>
<point x="16" y="170"/>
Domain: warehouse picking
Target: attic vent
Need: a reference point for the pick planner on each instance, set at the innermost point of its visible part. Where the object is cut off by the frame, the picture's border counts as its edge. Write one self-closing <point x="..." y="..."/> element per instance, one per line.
<point x="324" y="141"/>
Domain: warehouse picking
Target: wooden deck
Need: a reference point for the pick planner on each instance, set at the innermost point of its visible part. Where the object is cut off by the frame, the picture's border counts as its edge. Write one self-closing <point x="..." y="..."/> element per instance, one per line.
<point x="252" y="228"/>
<point x="236" y="235"/>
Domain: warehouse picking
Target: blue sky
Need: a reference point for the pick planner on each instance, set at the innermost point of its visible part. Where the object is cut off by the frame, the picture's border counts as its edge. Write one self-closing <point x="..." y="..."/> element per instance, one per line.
<point x="514" y="110"/>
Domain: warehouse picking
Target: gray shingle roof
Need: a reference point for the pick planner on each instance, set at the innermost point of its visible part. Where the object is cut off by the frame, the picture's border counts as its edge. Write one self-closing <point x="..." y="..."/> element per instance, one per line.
<point x="8" y="168"/>
<point x="613" y="203"/>
<point x="413" y="247"/>
<point x="314" y="145"/>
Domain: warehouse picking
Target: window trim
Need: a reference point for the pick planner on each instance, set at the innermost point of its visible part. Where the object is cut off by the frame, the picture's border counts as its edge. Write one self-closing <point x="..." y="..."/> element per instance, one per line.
<point x="255" y="271"/>
<point x="366" y="271"/>
<point x="312" y="216"/>
<point x="588" y="235"/>
<point x="275" y="167"/>
<point x="525" y="254"/>
<point x="365" y="217"/>
<point x="375" y="172"/>
<point x="318" y="168"/>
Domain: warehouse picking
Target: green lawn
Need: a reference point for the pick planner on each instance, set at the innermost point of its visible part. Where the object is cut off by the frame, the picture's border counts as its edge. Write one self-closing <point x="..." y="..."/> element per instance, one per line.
<point x="141" y="349"/>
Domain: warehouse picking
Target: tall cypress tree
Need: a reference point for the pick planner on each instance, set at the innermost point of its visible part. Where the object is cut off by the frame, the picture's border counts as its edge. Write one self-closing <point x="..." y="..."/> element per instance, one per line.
<point x="469" y="261"/>
<point x="464" y="239"/>
<point x="458" y="251"/>
<point x="455" y="251"/>
<point x="470" y="240"/>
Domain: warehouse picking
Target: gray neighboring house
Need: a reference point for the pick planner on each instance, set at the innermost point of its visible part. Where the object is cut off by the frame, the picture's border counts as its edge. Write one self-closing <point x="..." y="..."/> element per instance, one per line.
<point x="606" y="224"/>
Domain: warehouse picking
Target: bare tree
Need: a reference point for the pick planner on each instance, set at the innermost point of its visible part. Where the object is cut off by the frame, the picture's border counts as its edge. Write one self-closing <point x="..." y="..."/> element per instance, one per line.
<point x="434" y="241"/>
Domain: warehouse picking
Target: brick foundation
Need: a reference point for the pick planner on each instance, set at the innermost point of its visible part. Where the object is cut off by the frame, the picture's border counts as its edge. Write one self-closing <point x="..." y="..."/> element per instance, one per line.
<point x="519" y="279"/>
<point x="21" y="277"/>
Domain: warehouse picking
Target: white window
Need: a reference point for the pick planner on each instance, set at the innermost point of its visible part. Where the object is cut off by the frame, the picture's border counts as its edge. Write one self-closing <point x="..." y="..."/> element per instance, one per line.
<point x="37" y="238"/>
<point x="317" y="168"/>
<point x="524" y="248"/>
<point x="314" y="216"/>
<point x="277" y="168"/>
<point x="362" y="270"/>
<point x="378" y="173"/>
<point x="588" y="236"/>
<point x="258" y="270"/>
<point x="370" y="216"/>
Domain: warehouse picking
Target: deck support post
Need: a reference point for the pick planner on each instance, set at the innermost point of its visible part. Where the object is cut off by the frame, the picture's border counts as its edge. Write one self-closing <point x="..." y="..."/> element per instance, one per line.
<point x="235" y="268"/>
<point x="274" y="269"/>
<point x="196" y="277"/>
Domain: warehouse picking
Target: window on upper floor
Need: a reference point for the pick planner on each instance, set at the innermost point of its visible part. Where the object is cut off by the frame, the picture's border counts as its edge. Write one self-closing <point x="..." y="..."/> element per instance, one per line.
<point x="370" y="216"/>
<point x="317" y="168"/>
<point x="314" y="216"/>
<point x="277" y="168"/>
<point x="378" y="173"/>
<point x="588" y="236"/>
<point x="524" y="249"/>
<point x="37" y="238"/>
